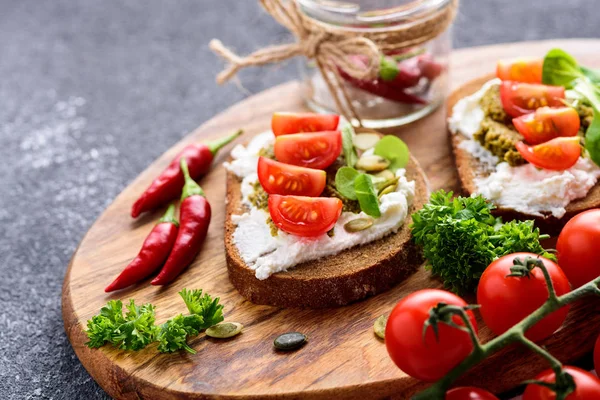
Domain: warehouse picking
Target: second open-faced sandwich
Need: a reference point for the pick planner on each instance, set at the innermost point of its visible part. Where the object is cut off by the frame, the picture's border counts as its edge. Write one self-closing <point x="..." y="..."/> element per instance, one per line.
<point x="318" y="215"/>
<point x="528" y="138"/>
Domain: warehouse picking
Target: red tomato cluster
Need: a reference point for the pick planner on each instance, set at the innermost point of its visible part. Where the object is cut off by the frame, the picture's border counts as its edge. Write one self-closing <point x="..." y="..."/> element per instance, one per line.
<point x="549" y="128"/>
<point x="509" y="290"/>
<point x="305" y="145"/>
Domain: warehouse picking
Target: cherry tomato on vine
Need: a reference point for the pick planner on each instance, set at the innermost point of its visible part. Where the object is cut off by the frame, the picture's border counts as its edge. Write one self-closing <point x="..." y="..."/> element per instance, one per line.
<point x="424" y="357"/>
<point x="311" y="150"/>
<point x="577" y="247"/>
<point x="597" y="356"/>
<point x="286" y="179"/>
<point x="506" y="300"/>
<point x="528" y="70"/>
<point x="557" y="154"/>
<point x="522" y="98"/>
<point x="284" y="123"/>
<point x="304" y="216"/>
<point x="548" y="123"/>
<point x="469" y="393"/>
<point x="587" y="386"/>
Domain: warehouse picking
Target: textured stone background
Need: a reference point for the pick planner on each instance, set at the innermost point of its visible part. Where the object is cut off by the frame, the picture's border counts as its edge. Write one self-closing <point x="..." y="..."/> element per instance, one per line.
<point x="91" y="92"/>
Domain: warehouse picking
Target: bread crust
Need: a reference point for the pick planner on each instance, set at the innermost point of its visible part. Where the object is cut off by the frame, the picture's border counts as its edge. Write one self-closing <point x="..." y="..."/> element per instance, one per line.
<point x="469" y="168"/>
<point x="333" y="281"/>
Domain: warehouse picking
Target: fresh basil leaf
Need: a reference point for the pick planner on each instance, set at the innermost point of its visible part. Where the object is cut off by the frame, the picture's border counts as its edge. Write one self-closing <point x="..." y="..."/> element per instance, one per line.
<point x="367" y="197"/>
<point x="388" y="68"/>
<point x="592" y="138"/>
<point x="393" y="149"/>
<point x="560" y="69"/>
<point x="348" y="145"/>
<point x="344" y="182"/>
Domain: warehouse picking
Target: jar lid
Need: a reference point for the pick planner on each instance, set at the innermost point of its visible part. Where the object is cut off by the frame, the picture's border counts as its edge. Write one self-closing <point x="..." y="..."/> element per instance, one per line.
<point x="370" y="14"/>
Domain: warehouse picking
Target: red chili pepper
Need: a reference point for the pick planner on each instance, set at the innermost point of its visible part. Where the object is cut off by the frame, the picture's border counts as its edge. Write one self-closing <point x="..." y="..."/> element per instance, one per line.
<point x="194" y="217"/>
<point x="167" y="186"/>
<point x="381" y="89"/>
<point x="154" y="252"/>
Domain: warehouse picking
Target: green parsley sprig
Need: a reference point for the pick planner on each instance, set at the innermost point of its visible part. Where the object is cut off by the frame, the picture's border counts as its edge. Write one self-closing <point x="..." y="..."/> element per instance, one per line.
<point x="137" y="328"/>
<point x="460" y="238"/>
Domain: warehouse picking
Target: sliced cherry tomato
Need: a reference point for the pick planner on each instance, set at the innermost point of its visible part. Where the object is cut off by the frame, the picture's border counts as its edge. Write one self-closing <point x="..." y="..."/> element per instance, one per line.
<point x="522" y="98"/>
<point x="587" y="386"/>
<point x="284" y="123"/>
<point x="304" y="216"/>
<point x="423" y="356"/>
<point x="506" y="300"/>
<point x="286" y="179"/>
<point x="597" y="356"/>
<point x="557" y="154"/>
<point x="311" y="150"/>
<point x="527" y="70"/>
<point x="469" y="393"/>
<point x="577" y="248"/>
<point x="547" y="123"/>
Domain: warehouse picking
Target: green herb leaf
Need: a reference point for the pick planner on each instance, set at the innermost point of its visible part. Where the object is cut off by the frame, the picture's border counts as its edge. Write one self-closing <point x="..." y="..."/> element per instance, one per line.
<point x="344" y="182"/>
<point x="173" y="336"/>
<point x="348" y="145"/>
<point x="366" y="195"/>
<point x="395" y="150"/>
<point x="210" y="310"/>
<point x="388" y="68"/>
<point x="139" y="330"/>
<point x="460" y="238"/>
<point x="560" y="69"/>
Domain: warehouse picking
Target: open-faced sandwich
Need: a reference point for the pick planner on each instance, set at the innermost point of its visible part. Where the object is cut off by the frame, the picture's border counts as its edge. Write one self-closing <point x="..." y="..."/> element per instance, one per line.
<point x="318" y="216"/>
<point x="528" y="139"/>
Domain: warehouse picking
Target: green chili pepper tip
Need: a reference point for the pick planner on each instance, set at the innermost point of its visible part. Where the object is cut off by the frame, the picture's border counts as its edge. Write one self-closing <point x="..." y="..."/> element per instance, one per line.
<point x="218" y="144"/>
<point x="190" y="188"/>
<point x="170" y="216"/>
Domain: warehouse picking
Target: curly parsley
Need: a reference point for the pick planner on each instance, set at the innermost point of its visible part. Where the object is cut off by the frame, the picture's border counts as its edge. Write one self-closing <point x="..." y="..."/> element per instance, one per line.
<point x="137" y="328"/>
<point x="460" y="238"/>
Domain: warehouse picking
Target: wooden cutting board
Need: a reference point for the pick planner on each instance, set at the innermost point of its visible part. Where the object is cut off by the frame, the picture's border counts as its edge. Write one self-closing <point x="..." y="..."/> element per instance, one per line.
<point x="343" y="359"/>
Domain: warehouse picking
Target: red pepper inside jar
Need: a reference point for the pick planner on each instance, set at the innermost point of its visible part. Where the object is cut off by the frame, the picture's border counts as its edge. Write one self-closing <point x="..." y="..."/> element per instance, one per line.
<point x="412" y="79"/>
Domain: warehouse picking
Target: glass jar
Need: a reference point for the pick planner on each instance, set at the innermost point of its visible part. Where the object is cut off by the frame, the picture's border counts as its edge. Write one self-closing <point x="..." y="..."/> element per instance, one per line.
<point x="421" y="82"/>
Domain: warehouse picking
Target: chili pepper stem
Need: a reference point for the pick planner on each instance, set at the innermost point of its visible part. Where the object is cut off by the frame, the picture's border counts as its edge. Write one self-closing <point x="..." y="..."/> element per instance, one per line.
<point x="516" y="334"/>
<point x="170" y="216"/>
<point x="190" y="188"/>
<point x="218" y="144"/>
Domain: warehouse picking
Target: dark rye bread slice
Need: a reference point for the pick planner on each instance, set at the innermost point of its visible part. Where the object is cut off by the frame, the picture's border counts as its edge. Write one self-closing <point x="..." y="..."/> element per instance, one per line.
<point x="332" y="281"/>
<point x="469" y="168"/>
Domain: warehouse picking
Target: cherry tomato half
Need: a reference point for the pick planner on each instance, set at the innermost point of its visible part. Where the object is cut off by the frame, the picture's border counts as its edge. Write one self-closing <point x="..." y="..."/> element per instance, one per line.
<point x="522" y="98"/>
<point x="469" y="393"/>
<point x="284" y="123"/>
<point x="506" y="300"/>
<point x="557" y="154"/>
<point x="527" y="70"/>
<point x="577" y="248"/>
<point x="426" y="358"/>
<point x="304" y="216"/>
<point x="286" y="179"/>
<point x="587" y="386"/>
<point x="547" y="123"/>
<point x="597" y="356"/>
<point x="311" y="150"/>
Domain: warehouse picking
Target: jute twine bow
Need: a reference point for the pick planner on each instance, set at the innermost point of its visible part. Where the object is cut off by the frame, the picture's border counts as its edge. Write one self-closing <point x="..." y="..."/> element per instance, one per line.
<point x="331" y="45"/>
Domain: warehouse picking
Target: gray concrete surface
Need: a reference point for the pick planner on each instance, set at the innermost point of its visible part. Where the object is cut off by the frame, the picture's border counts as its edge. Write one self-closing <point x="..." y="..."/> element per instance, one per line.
<point x="91" y="92"/>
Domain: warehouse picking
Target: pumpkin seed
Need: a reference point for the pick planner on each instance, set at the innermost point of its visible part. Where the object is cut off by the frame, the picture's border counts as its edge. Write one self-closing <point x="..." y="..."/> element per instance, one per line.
<point x="372" y="163"/>
<point x="379" y="326"/>
<point x="290" y="341"/>
<point x="224" y="330"/>
<point x="365" y="141"/>
<point x="385" y="191"/>
<point x="386" y="175"/>
<point x="390" y="182"/>
<point x="358" y="224"/>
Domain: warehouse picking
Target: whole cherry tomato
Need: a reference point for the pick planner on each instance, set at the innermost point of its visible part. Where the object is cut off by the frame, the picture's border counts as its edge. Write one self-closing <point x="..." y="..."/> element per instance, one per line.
<point x="423" y="356"/>
<point x="469" y="393"/>
<point x="577" y="247"/>
<point x="587" y="386"/>
<point x="506" y="300"/>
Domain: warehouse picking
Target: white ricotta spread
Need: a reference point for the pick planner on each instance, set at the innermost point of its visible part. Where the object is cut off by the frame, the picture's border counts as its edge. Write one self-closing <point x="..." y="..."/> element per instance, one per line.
<point x="525" y="188"/>
<point x="267" y="254"/>
<point x="535" y="191"/>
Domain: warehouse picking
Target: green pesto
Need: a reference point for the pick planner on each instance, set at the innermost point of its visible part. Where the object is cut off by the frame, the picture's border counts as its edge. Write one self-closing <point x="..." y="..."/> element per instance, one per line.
<point x="331" y="232"/>
<point x="492" y="105"/>
<point x="268" y="152"/>
<point x="259" y="199"/>
<point x="500" y="140"/>
<point x="274" y="229"/>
